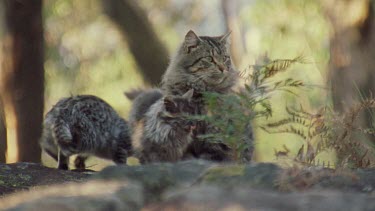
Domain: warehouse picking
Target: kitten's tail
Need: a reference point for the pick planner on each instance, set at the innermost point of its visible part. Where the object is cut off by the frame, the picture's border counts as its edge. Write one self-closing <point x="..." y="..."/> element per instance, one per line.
<point x="47" y="142"/>
<point x="61" y="131"/>
<point x="134" y="93"/>
<point x="48" y="146"/>
<point x="54" y="133"/>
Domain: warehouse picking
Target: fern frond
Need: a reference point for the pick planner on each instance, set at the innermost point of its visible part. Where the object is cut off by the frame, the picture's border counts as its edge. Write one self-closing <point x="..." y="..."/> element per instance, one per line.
<point x="280" y="65"/>
<point x="293" y="119"/>
<point x="291" y="130"/>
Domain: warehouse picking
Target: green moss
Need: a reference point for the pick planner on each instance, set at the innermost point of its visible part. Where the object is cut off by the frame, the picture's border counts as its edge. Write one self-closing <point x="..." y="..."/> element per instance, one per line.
<point x="24" y="177"/>
<point x="220" y="172"/>
<point x="17" y="180"/>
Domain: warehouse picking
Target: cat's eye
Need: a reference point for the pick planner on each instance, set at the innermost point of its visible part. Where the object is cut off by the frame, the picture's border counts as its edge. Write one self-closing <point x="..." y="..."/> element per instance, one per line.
<point x="206" y="63"/>
<point x="227" y="60"/>
<point x="209" y="58"/>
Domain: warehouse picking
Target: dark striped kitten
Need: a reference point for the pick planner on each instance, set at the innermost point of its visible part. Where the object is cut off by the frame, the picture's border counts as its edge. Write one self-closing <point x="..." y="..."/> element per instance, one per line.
<point x="85" y="125"/>
<point x="165" y="130"/>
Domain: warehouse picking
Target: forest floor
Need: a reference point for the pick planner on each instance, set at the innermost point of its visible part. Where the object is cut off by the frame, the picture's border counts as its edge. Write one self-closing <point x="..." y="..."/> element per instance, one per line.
<point x="187" y="185"/>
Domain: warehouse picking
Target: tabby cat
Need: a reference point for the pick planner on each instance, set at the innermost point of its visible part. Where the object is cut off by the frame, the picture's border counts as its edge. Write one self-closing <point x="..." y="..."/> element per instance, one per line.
<point x="85" y="125"/>
<point x="203" y="64"/>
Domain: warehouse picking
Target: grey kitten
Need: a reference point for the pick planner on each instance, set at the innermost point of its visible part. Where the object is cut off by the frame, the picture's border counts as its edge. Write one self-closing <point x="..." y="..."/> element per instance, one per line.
<point x="85" y="125"/>
<point x="204" y="64"/>
<point x="166" y="129"/>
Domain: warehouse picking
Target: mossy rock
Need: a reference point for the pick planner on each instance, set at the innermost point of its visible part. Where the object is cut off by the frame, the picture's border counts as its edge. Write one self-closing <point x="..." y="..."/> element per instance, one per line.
<point x="209" y="197"/>
<point x="22" y="176"/>
<point x="260" y="175"/>
<point x="158" y="177"/>
<point x="92" y="195"/>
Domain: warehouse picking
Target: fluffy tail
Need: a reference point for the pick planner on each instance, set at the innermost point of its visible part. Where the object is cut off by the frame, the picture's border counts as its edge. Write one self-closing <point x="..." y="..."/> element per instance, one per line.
<point x="61" y="131"/>
<point x="143" y="101"/>
<point x="48" y="144"/>
<point x="55" y="132"/>
<point x="134" y="93"/>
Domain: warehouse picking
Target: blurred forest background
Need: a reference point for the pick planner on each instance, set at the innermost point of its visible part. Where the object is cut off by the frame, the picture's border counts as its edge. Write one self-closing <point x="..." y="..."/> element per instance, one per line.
<point x="57" y="48"/>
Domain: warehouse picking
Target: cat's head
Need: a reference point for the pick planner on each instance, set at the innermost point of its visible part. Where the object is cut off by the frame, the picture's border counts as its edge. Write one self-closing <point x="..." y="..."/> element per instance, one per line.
<point x="178" y="109"/>
<point x="177" y="105"/>
<point x="202" y="63"/>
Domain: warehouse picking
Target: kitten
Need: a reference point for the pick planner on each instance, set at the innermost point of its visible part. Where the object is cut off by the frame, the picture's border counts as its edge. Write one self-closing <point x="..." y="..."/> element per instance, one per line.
<point x="166" y="129"/>
<point x="85" y="125"/>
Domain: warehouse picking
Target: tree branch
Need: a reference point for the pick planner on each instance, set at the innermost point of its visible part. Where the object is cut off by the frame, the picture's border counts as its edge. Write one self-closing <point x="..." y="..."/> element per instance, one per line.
<point x="149" y="52"/>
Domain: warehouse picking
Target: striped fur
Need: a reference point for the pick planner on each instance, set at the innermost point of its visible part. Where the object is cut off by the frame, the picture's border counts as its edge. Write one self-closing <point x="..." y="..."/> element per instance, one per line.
<point x="203" y="63"/>
<point x="142" y="100"/>
<point x="85" y="125"/>
<point x="165" y="130"/>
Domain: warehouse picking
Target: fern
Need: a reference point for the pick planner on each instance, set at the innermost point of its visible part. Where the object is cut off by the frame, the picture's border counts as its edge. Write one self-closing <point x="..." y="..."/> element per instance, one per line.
<point x="231" y="114"/>
<point x="327" y="130"/>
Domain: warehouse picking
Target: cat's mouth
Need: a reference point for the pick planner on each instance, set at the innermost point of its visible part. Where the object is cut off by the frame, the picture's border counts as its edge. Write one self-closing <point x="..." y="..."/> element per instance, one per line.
<point x="217" y="79"/>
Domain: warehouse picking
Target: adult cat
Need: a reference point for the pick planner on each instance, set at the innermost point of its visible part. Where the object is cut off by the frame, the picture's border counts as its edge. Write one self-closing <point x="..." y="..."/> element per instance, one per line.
<point x="204" y="64"/>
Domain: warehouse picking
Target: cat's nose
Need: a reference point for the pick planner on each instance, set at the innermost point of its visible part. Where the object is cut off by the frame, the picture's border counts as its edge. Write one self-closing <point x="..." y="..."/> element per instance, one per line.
<point x="222" y="68"/>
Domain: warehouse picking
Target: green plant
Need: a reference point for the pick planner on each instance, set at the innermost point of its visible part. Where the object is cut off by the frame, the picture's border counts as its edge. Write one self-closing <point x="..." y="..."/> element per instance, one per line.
<point x="326" y="130"/>
<point x="231" y="114"/>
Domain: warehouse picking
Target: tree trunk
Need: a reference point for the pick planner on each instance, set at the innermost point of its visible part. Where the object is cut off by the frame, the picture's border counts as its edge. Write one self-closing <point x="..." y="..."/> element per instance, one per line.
<point x="149" y="52"/>
<point x="22" y="78"/>
<point x="3" y="135"/>
<point x="352" y="49"/>
<point x="230" y="11"/>
<point x="351" y="68"/>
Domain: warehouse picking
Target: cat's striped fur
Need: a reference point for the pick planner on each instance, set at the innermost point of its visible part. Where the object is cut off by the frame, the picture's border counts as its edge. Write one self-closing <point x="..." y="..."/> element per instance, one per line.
<point x="203" y="64"/>
<point x="166" y="129"/>
<point x="85" y="125"/>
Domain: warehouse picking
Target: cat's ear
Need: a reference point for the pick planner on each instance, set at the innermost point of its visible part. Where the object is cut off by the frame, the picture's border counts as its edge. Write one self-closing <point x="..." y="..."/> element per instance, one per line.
<point x="225" y="38"/>
<point x="189" y="94"/>
<point x="191" y="40"/>
<point x="169" y="104"/>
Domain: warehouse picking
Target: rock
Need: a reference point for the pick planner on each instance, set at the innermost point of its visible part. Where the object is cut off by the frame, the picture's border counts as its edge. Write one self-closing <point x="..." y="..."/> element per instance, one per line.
<point x="219" y="198"/>
<point x="296" y="179"/>
<point x="188" y="185"/>
<point x="22" y="176"/>
<point x="93" y="195"/>
<point x="158" y="177"/>
<point x="256" y="175"/>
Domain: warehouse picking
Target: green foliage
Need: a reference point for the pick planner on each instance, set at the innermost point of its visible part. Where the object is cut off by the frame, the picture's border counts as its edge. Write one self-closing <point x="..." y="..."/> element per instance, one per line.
<point x="85" y="54"/>
<point x="326" y="130"/>
<point x="321" y="131"/>
<point x="231" y="114"/>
